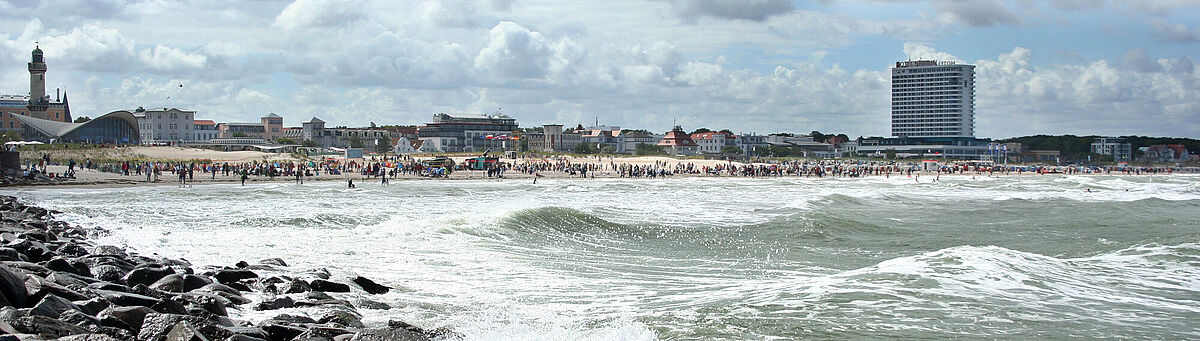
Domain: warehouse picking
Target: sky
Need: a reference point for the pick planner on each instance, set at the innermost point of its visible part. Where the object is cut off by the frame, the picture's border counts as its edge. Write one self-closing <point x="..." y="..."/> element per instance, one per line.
<point x="1104" y="67"/>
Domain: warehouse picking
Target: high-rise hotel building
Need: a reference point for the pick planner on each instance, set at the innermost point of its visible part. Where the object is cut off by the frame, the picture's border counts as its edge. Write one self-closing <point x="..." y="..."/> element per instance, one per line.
<point x="933" y="99"/>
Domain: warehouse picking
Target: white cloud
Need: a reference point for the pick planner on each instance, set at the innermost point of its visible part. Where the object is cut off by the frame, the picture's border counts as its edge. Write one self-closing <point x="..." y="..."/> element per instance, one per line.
<point x="318" y="13"/>
<point x="514" y="52"/>
<point x="919" y="51"/>
<point x="165" y="58"/>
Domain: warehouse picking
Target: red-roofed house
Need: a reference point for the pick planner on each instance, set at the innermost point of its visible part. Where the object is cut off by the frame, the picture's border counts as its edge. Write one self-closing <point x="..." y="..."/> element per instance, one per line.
<point x="712" y="142"/>
<point x="678" y="142"/>
<point x="1166" y="153"/>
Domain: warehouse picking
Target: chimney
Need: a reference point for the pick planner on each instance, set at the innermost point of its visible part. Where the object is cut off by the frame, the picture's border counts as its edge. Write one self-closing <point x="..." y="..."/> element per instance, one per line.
<point x="56" y="94"/>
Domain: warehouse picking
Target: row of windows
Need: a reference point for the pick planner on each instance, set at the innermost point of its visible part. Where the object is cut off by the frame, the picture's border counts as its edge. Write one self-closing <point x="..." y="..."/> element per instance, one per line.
<point x="932" y="69"/>
<point x="954" y="80"/>
<point x="172" y="126"/>
<point x="940" y="85"/>
<point x="956" y="103"/>
<point x="172" y="116"/>
<point x="929" y="98"/>
<point x="922" y="94"/>
<point x="903" y="116"/>
<point x="901" y="112"/>
<point x="933" y="126"/>
<point x="926" y="75"/>
<point x="928" y="120"/>
<point x="904" y="107"/>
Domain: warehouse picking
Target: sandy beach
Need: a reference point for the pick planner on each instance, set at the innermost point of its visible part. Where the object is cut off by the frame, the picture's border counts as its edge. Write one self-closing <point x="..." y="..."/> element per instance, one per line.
<point x="94" y="177"/>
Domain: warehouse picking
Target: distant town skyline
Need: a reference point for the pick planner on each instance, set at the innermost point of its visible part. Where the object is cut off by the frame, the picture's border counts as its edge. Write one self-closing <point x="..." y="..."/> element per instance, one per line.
<point x="1089" y="67"/>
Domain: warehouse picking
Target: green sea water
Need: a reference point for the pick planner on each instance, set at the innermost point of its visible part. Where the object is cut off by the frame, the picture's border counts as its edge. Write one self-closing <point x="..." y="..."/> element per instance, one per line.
<point x="1029" y="257"/>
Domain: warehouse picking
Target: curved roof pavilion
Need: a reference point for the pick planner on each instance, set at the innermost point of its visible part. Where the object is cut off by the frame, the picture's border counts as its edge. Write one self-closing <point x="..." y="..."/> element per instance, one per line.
<point x="114" y="127"/>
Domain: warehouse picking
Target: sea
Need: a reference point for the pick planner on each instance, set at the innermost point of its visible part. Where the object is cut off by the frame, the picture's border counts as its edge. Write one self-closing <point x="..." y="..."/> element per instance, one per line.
<point x="1016" y="257"/>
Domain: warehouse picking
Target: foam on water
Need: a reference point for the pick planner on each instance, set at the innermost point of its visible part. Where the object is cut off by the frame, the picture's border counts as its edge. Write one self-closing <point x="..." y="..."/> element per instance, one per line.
<point x="1032" y="256"/>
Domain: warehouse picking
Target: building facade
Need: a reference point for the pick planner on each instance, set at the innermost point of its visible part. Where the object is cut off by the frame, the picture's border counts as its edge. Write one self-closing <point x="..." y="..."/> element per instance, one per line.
<point x="933" y="99"/>
<point x="269" y="128"/>
<point x="118" y="127"/>
<point x="166" y="125"/>
<point x="205" y="130"/>
<point x="37" y="104"/>
<point x="678" y="142"/>
<point x="342" y="137"/>
<point x="1118" y="148"/>
<point x="468" y="132"/>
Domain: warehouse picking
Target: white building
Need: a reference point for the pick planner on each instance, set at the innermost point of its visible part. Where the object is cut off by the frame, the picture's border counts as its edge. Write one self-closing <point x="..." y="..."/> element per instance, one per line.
<point x="167" y="125"/>
<point x="933" y="99"/>
<point x="713" y="142"/>
<point x="1118" y="148"/>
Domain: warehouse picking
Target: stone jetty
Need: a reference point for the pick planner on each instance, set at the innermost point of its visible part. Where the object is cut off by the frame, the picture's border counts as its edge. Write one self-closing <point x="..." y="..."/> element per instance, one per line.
<point x="56" y="284"/>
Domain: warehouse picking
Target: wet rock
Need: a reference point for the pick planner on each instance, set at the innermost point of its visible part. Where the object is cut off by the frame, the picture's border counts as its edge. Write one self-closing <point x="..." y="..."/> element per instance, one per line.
<point x="381" y="334"/>
<point x="253" y="333"/>
<point x="109" y="286"/>
<point x="273" y="261"/>
<point x="370" y="286"/>
<point x="297" y="286"/>
<point x="26" y="268"/>
<point x="38" y="287"/>
<point x="239" y="337"/>
<point x="233" y="275"/>
<point x="242" y="265"/>
<point x="276" y="303"/>
<point x="70" y="280"/>
<point x="78" y="318"/>
<point x="35" y="250"/>
<point x="327" y="286"/>
<point x="156" y="327"/>
<point x="92" y="306"/>
<point x="109" y="250"/>
<point x="280" y="332"/>
<point x="108" y="273"/>
<point x="342" y="318"/>
<point x="47" y="327"/>
<point x="130" y="317"/>
<point x="11" y="254"/>
<point x="293" y="319"/>
<point x="12" y="286"/>
<point x="125" y="299"/>
<point x="147" y="274"/>
<point x="62" y="264"/>
<point x="51" y="306"/>
<point x="180" y="283"/>
<point x="171" y="306"/>
<point x="437" y="333"/>
<point x="369" y="304"/>
<point x="184" y="331"/>
<point x="321" y="273"/>
<point x="209" y="302"/>
<point x="322" y="334"/>
<point x="88" y="337"/>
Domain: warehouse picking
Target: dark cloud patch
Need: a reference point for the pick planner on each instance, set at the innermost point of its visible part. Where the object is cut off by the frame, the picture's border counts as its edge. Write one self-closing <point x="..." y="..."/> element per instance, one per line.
<point x="978" y="13"/>
<point x="754" y="10"/>
<point x="1177" y="33"/>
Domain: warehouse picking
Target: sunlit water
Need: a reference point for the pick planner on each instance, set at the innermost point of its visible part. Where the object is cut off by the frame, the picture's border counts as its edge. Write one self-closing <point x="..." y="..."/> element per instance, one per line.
<point x="1017" y="257"/>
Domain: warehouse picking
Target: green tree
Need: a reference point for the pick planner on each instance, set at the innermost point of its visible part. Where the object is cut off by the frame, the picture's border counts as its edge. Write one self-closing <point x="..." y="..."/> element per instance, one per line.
<point x="82" y="119"/>
<point x="384" y="146"/>
<point x="891" y="154"/>
<point x="648" y="149"/>
<point x="284" y="140"/>
<point x="731" y="150"/>
<point x="355" y="142"/>
<point x="239" y="134"/>
<point x="818" y="136"/>
<point x="608" y="150"/>
<point x="309" y="143"/>
<point x="584" y="148"/>
<point x="701" y="130"/>
<point x="726" y="131"/>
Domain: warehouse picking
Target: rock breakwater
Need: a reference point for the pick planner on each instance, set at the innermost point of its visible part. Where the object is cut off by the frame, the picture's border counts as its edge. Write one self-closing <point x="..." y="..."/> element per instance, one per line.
<point x="56" y="284"/>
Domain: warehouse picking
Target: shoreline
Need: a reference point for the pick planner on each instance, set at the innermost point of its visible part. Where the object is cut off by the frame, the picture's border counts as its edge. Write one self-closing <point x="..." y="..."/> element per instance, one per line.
<point x="57" y="283"/>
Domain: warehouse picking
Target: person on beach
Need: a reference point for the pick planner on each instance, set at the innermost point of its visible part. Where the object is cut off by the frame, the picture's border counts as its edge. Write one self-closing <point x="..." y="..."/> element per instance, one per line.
<point x="244" y="177"/>
<point x="350" y="182"/>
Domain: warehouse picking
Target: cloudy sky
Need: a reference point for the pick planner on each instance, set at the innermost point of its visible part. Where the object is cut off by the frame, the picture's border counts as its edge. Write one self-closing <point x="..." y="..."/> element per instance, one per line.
<point x="1111" y="67"/>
